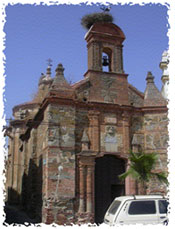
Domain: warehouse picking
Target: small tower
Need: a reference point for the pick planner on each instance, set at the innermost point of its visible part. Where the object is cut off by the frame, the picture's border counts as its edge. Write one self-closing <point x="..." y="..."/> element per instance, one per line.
<point x="48" y="73"/>
<point x="60" y="87"/>
<point x="165" y="74"/>
<point x="105" y="64"/>
<point x="59" y="82"/>
<point x="152" y="96"/>
<point x="44" y="83"/>
<point x="104" y="43"/>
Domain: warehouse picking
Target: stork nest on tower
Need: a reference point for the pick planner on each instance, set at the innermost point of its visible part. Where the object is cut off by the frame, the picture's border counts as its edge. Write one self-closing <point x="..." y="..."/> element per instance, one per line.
<point x="89" y="19"/>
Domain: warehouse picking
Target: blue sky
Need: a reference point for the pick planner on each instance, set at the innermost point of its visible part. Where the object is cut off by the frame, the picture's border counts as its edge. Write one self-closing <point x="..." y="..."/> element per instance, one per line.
<point x="36" y="33"/>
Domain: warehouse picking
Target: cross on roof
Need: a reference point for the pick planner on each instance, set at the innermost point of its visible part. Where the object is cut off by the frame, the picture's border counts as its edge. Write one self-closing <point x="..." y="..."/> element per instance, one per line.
<point x="49" y="61"/>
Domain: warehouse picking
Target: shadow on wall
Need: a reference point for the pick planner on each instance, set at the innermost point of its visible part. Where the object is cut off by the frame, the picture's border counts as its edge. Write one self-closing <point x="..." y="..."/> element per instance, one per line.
<point x="26" y="207"/>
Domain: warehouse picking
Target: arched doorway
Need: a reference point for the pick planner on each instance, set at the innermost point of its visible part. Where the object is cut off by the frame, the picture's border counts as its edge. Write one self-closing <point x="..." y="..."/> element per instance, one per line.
<point x="107" y="184"/>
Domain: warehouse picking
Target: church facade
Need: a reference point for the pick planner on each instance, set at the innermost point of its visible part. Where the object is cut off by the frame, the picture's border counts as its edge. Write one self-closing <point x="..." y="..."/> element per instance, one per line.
<point x="69" y="144"/>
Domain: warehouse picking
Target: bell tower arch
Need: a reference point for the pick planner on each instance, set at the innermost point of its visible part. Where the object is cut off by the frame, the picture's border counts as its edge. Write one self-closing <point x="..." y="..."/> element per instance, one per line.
<point x="104" y="43"/>
<point x="105" y="70"/>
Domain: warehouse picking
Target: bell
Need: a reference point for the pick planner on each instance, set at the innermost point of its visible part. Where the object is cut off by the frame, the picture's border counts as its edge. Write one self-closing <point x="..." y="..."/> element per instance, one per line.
<point x="105" y="61"/>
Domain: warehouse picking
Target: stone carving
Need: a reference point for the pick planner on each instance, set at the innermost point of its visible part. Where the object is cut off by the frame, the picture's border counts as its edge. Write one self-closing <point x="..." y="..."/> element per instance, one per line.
<point x="53" y="136"/>
<point x="137" y="142"/>
<point x="53" y="115"/>
<point x="156" y="141"/>
<point x="138" y="139"/>
<point x="22" y="114"/>
<point x="85" y="94"/>
<point x="106" y="92"/>
<point x="109" y="139"/>
<point x="110" y="136"/>
<point x="67" y="136"/>
<point x="85" y="141"/>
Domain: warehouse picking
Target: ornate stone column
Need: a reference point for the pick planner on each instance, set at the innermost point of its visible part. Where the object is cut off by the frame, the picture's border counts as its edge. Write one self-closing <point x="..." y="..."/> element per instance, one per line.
<point x="82" y="189"/>
<point x="89" y="189"/>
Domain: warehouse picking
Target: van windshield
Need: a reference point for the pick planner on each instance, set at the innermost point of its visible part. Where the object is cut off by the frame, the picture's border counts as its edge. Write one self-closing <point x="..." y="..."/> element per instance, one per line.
<point x="114" y="206"/>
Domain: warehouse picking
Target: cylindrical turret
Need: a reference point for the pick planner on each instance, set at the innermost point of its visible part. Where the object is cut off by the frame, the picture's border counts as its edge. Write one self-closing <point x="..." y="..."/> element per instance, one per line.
<point x="165" y="74"/>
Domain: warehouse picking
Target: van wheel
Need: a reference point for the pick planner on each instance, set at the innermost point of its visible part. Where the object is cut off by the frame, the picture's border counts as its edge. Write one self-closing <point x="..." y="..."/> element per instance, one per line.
<point x="165" y="222"/>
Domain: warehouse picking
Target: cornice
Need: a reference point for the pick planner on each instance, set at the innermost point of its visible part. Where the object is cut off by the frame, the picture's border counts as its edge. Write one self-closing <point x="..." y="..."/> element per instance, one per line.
<point x="89" y="106"/>
<point x="155" y="109"/>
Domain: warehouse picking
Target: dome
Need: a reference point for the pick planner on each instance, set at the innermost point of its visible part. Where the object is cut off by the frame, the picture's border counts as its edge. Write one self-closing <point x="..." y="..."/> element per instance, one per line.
<point x="101" y="29"/>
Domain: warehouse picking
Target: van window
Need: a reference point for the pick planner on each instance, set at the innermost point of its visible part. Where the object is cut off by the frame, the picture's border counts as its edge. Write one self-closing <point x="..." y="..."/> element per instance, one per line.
<point x="163" y="205"/>
<point x="142" y="207"/>
<point x="114" y="206"/>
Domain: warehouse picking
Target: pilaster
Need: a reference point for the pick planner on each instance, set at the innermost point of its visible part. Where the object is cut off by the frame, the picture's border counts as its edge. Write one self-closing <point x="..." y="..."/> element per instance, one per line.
<point x="118" y="59"/>
<point x="81" y="188"/>
<point x="86" y="189"/>
<point x="126" y="135"/>
<point x="94" y="132"/>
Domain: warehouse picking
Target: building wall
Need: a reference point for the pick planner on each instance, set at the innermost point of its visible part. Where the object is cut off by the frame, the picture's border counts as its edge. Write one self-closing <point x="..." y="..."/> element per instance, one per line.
<point x="15" y="165"/>
<point x="156" y="140"/>
<point x="59" y="165"/>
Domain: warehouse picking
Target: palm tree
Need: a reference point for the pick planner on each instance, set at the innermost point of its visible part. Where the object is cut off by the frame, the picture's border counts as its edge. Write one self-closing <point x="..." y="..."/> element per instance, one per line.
<point x="141" y="169"/>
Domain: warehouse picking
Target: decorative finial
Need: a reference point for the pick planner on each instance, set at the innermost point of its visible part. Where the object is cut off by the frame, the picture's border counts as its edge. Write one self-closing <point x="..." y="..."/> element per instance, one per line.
<point x="85" y="141"/>
<point x="85" y="137"/>
<point x="48" y="73"/>
<point x="59" y="81"/>
<point x="49" y="61"/>
<point x="150" y="78"/>
<point x="165" y="57"/>
<point x="59" y="70"/>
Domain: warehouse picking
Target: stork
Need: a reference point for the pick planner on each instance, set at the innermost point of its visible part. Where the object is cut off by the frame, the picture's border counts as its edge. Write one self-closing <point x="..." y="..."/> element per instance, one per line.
<point x="105" y="8"/>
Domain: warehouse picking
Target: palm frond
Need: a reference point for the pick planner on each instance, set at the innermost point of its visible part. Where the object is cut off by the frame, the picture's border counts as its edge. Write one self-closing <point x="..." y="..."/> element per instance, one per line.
<point x="141" y="166"/>
<point x="130" y="172"/>
<point x="162" y="177"/>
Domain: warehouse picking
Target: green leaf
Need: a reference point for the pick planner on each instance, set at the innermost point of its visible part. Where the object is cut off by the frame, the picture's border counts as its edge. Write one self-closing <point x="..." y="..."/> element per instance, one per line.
<point x="141" y="166"/>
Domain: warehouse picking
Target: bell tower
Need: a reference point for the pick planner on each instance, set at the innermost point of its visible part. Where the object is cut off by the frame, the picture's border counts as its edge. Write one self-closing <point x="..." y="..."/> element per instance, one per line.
<point x="104" y="43"/>
<point x="105" y="64"/>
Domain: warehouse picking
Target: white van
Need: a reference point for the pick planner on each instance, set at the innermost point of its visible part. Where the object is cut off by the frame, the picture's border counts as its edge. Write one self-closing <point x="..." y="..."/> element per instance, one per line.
<point x="146" y="209"/>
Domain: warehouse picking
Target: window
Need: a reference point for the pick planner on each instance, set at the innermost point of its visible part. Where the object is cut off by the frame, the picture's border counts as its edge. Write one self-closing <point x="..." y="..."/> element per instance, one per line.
<point x="114" y="206"/>
<point x="163" y="206"/>
<point x="142" y="207"/>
